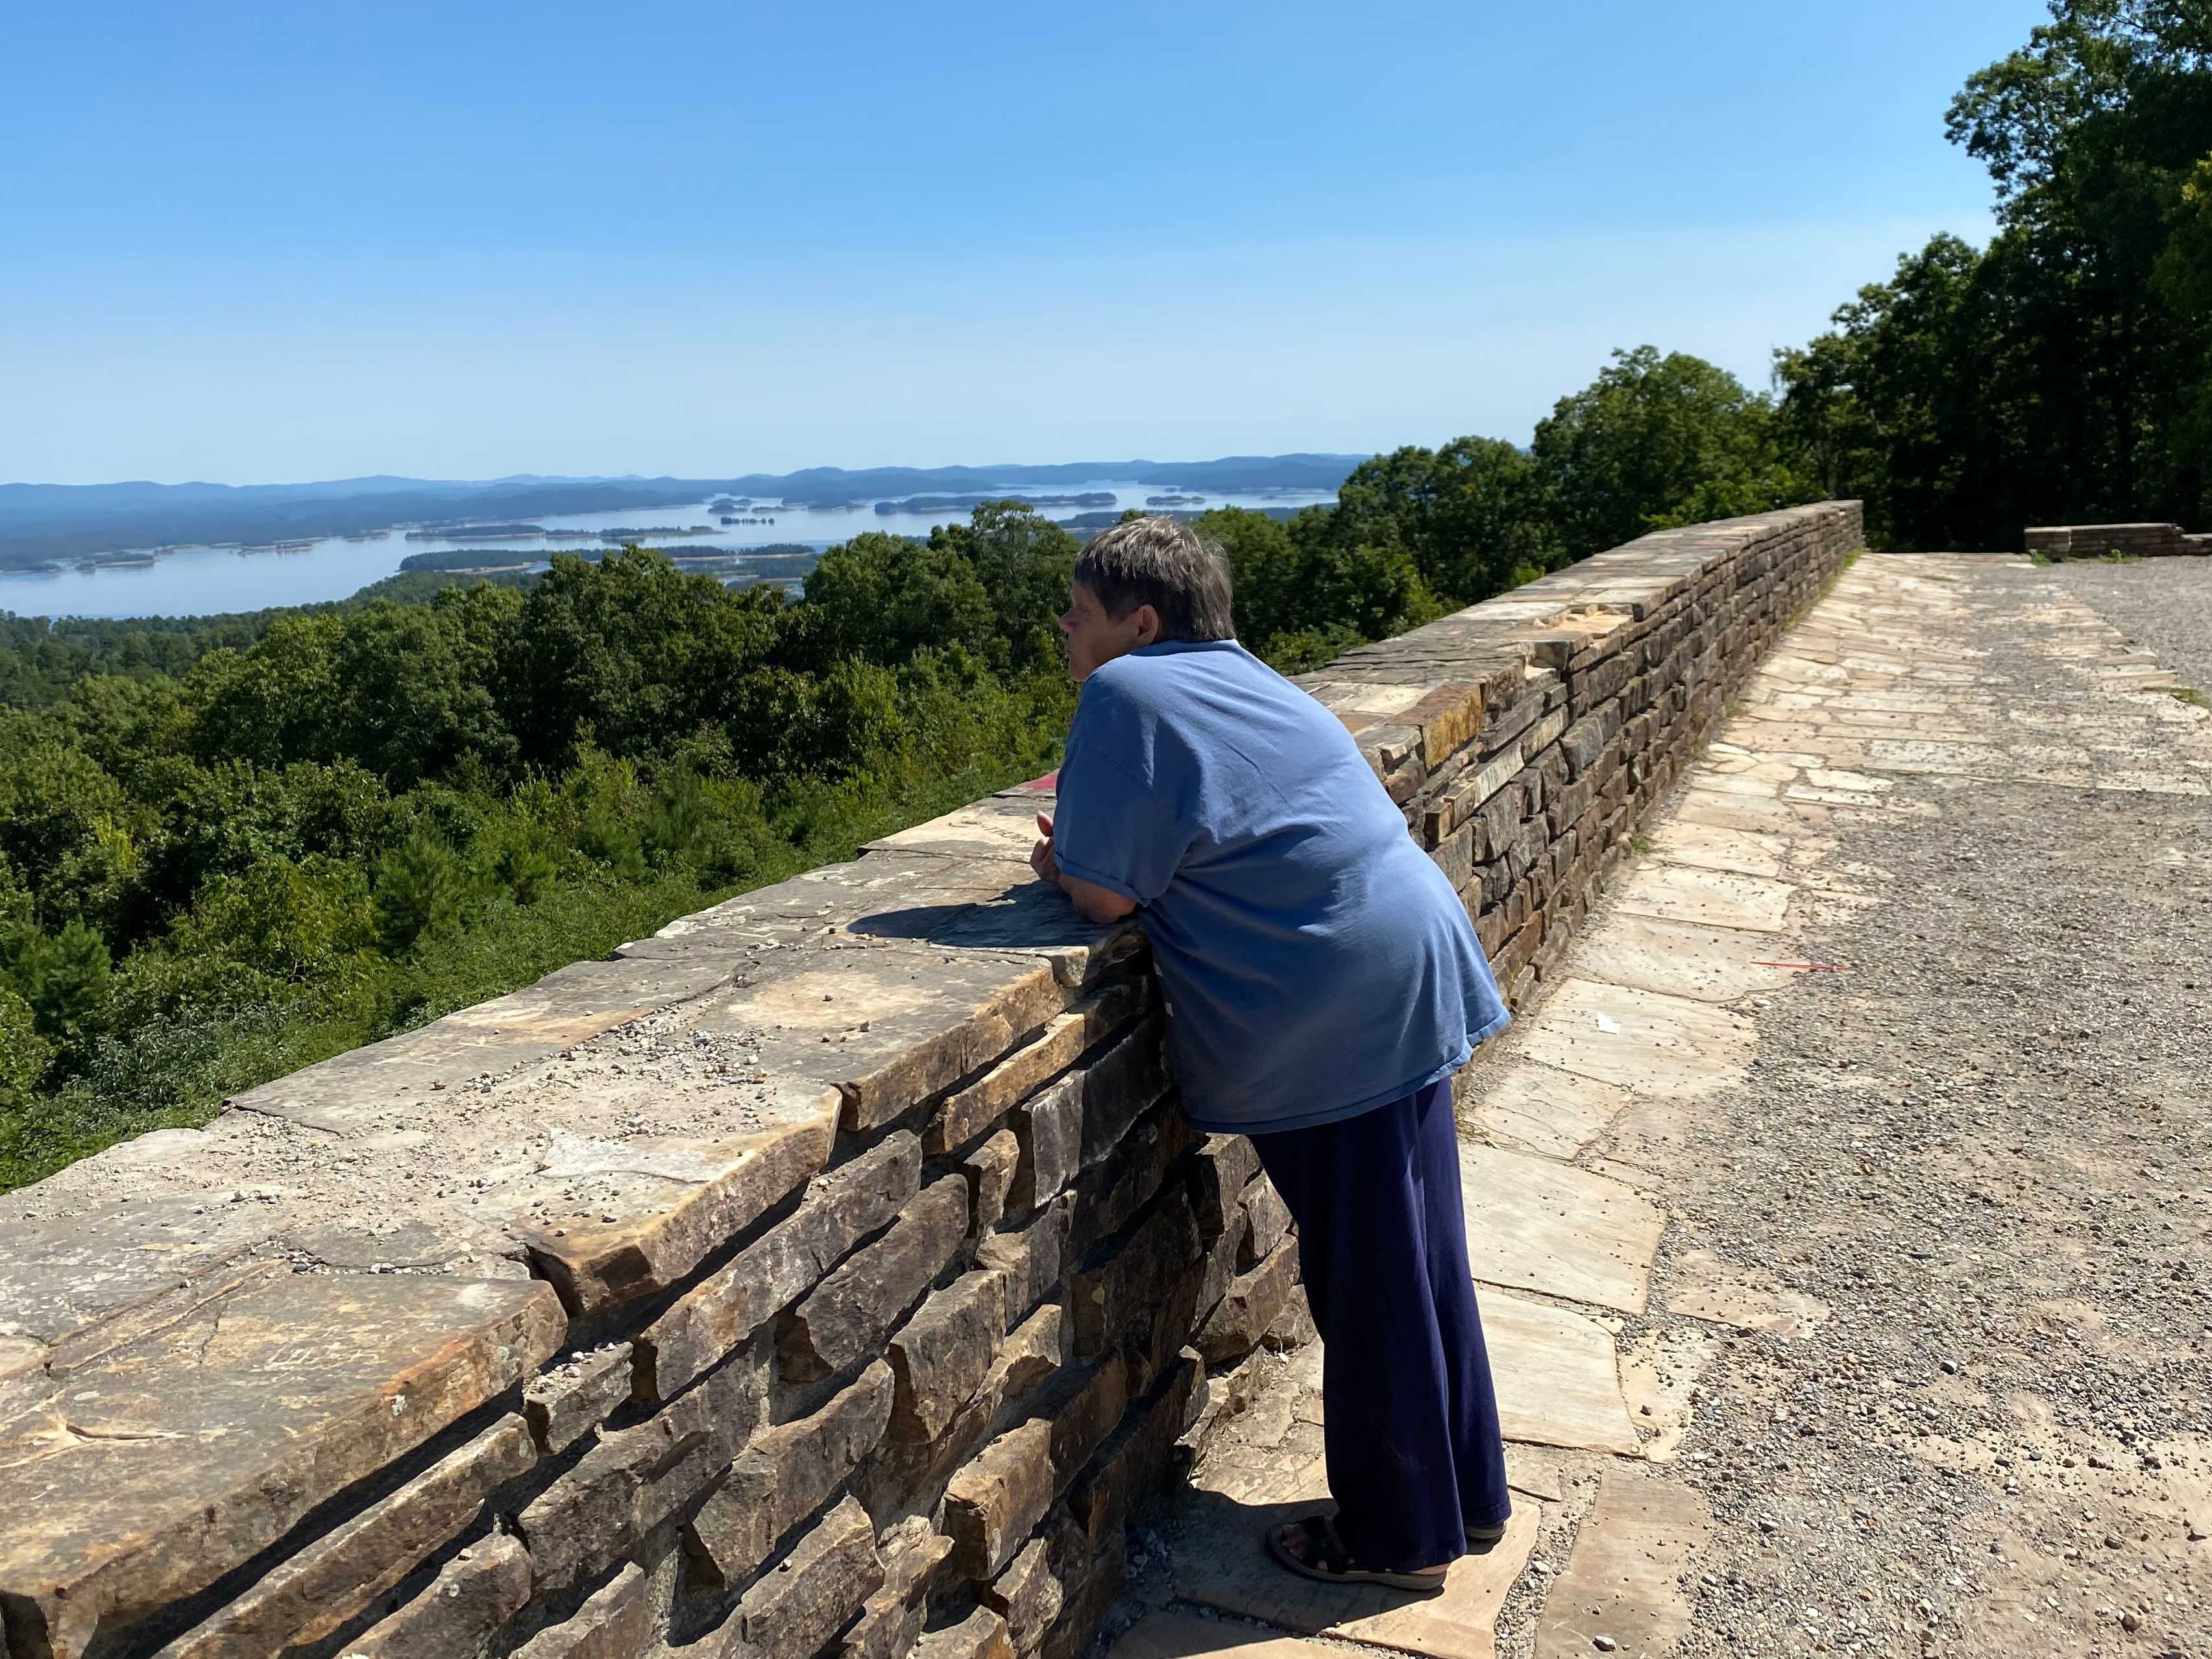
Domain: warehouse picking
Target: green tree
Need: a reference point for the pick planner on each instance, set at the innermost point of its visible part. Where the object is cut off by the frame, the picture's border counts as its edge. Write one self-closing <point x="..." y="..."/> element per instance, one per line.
<point x="62" y="977"/>
<point x="76" y="838"/>
<point x="712" y="826"/>
<point x="993" y="588"/>
<point x="524" y="856"/>
<point x="24" y="1052"/>
<point x="1262" y="571"/>
<point x="609" y="802"/>
<point x="1472" y="515"/>
<point x="629" y="651"/>
<point x="422" y="887"/>
<point x="1892" y="406"/>
<point x="881" y="597"/>
<point x="1304" y="593"/>
<point x="285" y="918"/>
<point x="23" y="1058"/>
<point x="1658" y="442"/>
<point x="411" y="696"/>
<point x="1023" y="562"/>
<point x="270" y="702"/>
<point x="2062" y="374"/>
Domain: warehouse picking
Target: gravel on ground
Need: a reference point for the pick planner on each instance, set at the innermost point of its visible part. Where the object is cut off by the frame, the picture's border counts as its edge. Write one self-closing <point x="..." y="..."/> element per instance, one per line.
<point x="2163" y="604"/>
<point x="1988" y="1149"/>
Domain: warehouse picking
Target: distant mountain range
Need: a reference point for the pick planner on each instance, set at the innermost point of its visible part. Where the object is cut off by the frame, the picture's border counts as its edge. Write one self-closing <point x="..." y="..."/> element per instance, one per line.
<point x="40" y="523"/>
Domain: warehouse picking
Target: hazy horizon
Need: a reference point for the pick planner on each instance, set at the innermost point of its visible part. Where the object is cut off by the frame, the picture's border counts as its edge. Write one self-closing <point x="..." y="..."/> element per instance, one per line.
<point x="664" y="475"/>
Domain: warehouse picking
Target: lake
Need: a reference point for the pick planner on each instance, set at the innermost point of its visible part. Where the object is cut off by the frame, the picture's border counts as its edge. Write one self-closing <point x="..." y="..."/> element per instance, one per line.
<point x="202" y="580"/>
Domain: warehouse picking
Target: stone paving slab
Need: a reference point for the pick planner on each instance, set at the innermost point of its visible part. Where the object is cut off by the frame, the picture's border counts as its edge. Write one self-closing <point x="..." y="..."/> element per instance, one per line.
<point x="1557" y="1375"/>
<point x="609" y="1220"/>
<point x="1622" y="1582"/>
<point x="997" y="827"/>
<point x="1719" y="898"/>
<point x="1733" y="809"/>
<point x="57" y="1280"/>
<point x="1177" y="1636"/>
<point x="1681" y="959"/>
<point x="1707" y="847"/>
<point x="953" y="901"/>
<point x="1658" y="1374"/>
<point x="1536" y="1471"/>
<point x="1032" y="918"/>
<point x="352" y="1091"/>
<point x="1223" y="1562"/>
<point x="1648" y="1044"/>
<point x="1535" y="1224"/>
<point x="887" y="1028"/>
<point x="1542" y="1110"/>
<point x="918" y="888"/>
<point x="1706" y="1287"/>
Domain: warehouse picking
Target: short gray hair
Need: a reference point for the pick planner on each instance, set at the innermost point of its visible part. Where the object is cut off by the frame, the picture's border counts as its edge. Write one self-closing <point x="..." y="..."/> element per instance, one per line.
<point x="1163" y="562"/>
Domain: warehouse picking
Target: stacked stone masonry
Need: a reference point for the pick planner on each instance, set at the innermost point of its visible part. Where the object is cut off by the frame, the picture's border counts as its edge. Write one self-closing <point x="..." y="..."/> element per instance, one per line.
<point x="829" y="1274"/>
<point x="2127" y="541"/>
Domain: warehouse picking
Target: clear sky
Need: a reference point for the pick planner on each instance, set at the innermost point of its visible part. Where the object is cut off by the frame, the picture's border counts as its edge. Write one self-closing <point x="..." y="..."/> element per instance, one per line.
<point x="255" y="242"/>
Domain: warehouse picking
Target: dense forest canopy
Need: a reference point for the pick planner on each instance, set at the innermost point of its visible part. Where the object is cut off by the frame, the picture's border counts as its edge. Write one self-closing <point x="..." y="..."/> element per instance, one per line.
<point x="232" y="846"/>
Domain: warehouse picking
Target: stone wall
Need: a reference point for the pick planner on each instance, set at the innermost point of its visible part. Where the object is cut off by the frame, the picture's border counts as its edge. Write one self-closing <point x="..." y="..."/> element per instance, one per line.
<point x="829" y="1275"/>
<point x="1525" y="737"/>
<point x="2131" y="541"/>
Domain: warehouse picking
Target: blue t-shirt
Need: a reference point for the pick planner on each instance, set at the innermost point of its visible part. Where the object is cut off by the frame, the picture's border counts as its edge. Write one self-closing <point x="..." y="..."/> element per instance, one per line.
<point x="1316" y="962"/>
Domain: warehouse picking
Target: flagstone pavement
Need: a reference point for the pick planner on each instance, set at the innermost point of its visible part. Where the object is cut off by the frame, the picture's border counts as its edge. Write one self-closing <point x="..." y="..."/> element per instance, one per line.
<point x="1875" y="708"/>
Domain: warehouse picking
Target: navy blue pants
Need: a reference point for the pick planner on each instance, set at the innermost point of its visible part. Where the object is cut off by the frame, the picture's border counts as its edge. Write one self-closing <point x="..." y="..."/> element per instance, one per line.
<point x="1414" y="1455"/>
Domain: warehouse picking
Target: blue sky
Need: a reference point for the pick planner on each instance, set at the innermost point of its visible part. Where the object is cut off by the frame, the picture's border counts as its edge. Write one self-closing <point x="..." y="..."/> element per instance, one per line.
<point x="257" y="242"/>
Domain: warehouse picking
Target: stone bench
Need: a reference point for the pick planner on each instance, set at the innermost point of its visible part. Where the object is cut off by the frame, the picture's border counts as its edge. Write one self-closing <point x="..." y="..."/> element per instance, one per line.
<point x="2129" y="541"/>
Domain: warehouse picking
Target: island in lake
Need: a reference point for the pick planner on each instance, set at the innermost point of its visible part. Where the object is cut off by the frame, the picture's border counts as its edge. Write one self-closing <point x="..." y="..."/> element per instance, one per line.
<point x="786" y="563"/>
<point x="465" y="532"/>
<point x="967" y="503"/>
<point x="1087" y="524"/>
<point x="636" y="533"/>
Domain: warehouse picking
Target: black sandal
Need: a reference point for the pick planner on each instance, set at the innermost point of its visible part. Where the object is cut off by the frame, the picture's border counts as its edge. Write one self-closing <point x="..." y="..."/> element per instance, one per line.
<point x="1335" y="1565"/>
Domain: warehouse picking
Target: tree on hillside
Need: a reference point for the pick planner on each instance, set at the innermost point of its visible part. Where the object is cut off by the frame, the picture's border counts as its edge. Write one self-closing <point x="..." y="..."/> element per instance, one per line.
<point x="629" y="653"/>
<point x="881" y="597"/>
<point x="1658" y="442"/>
<point x="1471" y="514"/>
<point x="1024" y="561"/>
<point x="992" y="587"/>
<point x="1305" y="594"/>
<point x="1893" y="406"/>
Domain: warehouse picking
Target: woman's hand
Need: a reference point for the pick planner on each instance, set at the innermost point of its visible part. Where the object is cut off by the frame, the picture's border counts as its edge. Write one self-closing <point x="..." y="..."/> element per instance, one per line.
<point x="1040" y="856"/>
